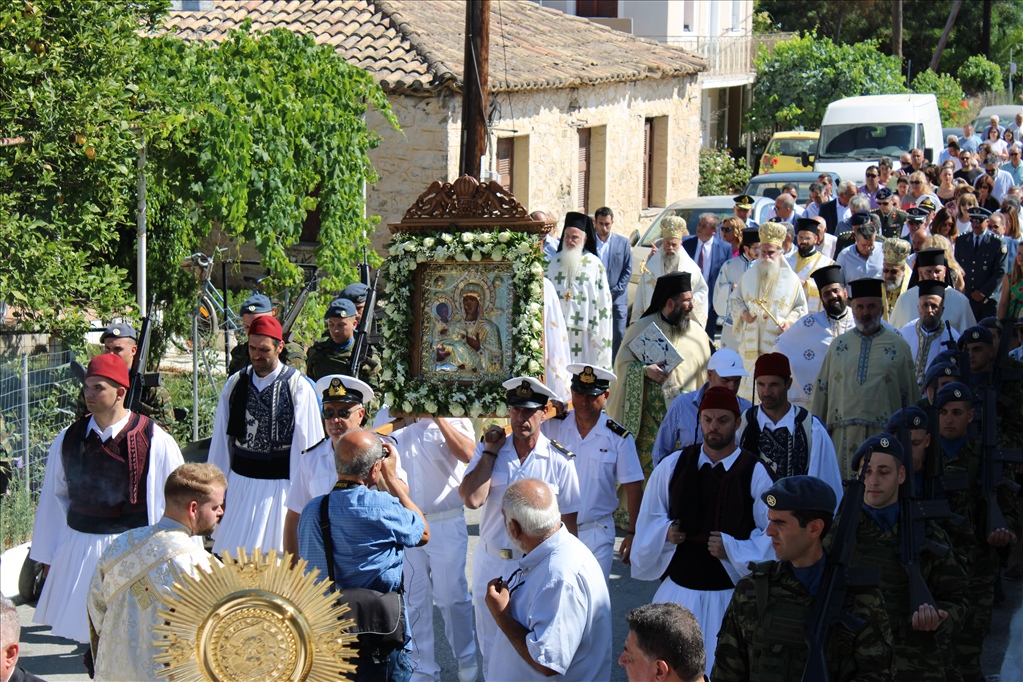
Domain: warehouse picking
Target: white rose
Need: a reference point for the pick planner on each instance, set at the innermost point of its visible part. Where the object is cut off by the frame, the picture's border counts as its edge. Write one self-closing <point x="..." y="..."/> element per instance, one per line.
<point x="429" y="242"/>
<point x="502" y="410"/>
<point x="459" y="256"/>
<point x="447" y="238"/>
<point x="477" y="256"/>
<point x="456" y="410"/>
<point x="486" y="237"/>
<point x="409" y="246"/>
<point x="407" y="407"/>
<point x="431" y="407"/>
<point x="534" y="344"/>
<point x="389" y="398"/>
<point x="386" y="375"/>
<point x="504" y="237"/>
<point x="468" y="237"/>
<point x="534" y="366"/>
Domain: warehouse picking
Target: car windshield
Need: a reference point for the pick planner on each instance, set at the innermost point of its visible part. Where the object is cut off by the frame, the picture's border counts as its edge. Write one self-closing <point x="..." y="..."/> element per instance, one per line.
<point x="864" y="142"/>
<point x="771" y="188"/>
<point x="689" y="214"/>
<point x="792" y="147"/>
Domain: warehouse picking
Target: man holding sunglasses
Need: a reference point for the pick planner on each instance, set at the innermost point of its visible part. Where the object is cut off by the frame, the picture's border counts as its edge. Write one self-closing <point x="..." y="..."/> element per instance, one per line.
<point x="983" y="257"/>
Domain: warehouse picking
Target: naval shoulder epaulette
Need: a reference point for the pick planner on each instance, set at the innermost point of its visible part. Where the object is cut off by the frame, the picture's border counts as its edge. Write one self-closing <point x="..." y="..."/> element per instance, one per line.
<point x="617" y="428"/>
<point x="562" y="449"/>
<point x="310" y="449"/>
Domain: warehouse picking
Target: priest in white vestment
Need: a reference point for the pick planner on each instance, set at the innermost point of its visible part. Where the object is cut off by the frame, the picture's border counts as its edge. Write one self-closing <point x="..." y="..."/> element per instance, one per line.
<point x="581" y="284"/>
<point x="768" y="300"/>
<point x="806" y="259"/>
<point x="728" y="279"/>
<point x="927" y="334"/>
<point x="555" y="344"/>
<point x="894" y="273"/>
<point x="930" y="264"/>
<point x="140" y="568"/>
<point x="671" y="257"/>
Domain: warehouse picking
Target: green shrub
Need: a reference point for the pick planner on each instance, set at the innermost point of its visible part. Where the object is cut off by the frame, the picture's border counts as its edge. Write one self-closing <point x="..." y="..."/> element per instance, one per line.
<point x="980" y="74"/>
<point x="951" y="103"/>
<point x="720" y="173"/>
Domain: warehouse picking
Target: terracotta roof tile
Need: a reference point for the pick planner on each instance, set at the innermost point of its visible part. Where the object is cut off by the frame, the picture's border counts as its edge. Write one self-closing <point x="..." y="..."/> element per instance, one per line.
<point x="413" y="45"/>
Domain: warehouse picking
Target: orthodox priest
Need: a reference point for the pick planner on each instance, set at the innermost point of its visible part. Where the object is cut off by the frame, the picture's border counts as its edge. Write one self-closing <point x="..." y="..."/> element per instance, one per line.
<point x="728" y="279"/>
<point x="581" y="283"/>
<point x="894" y="272"/>
<point x="643" y="391"/>
<point x="926" y="333"/>
<point x="806" y="260"/>
<point x="671" y="257"/>
<point x="930" y="264"/>
<point x="806" y="342"/>
<point x="867" y="375"/>
<point x="768" y="300"/>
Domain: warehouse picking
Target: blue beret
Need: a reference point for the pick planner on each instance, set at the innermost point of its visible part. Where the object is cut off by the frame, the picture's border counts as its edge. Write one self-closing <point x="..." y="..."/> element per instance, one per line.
<point x="799" y="493"/>
<point x="914" y="417"/>
<point x="941" y="369"/>
<point x="883" y="193"/>
<point x="976" y="334"/>
<point x="256" y="303"/>
<point x="953" y="393"/>
<point x="119" y="330"/>
<point x="355" y="292"/>
<point x="340" y="307"/>
<point x="859" y="218"/>
<point x="885" y="443"/>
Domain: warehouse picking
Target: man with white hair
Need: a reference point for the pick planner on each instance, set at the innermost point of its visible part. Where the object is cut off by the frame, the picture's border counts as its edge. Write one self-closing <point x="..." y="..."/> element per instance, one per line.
<point x="10" y="633"/>
<point x="671" y="257"/>
<point x="581" y="282"/>
<point x="837" y="210"/>
<point x="554" y="612"/>
<point x="767" y="301"/>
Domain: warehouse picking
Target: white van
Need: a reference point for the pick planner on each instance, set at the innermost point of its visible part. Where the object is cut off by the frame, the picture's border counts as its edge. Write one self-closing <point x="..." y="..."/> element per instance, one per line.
<point x="857" y="131"/>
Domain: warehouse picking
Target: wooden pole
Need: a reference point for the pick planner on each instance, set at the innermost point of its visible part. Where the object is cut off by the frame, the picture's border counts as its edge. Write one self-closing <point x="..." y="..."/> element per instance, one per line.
<point x="474" y="86"/>
<point x="897" y="28"/>
<point x="944" y="35"/>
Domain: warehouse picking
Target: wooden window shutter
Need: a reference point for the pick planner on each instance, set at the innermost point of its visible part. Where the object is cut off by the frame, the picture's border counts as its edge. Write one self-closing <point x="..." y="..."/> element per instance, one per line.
<point x="584" y="171"/>
<point x="505" y="161"/>
<point x="648" y="162"/>
<point x="597" y="8"/>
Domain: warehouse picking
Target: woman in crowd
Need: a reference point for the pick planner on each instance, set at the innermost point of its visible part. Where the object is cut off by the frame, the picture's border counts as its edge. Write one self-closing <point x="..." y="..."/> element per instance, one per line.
<point x="919" y="189"/>
<point x="984" y="186"/>
<point x="1011" y="303"/>
<point x="944" y="222"/>
<point x="997" y="144"/>
<point x="947" y="189"/>
<point x="964" y="203"/>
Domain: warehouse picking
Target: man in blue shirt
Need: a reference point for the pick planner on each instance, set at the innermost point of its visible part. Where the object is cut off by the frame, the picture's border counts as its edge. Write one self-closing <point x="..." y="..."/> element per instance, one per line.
<point x="370" y="530"/>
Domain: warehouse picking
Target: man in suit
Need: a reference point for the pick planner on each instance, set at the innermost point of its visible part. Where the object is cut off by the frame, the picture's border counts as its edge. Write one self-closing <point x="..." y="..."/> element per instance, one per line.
<point x="709" y="253"/>
<point x="616" y="255"/>
<point x="837" y="210"/>
<point x="982" y="255"/>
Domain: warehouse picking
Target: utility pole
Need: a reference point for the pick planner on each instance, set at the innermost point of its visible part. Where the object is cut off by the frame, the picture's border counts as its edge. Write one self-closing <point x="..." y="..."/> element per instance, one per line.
<point x="897" y="28"/>
<point x="474" y="86"/>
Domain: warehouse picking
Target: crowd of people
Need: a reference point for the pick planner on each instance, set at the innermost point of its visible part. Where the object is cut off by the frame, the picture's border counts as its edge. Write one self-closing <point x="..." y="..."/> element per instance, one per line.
<point x="857" y="337"/>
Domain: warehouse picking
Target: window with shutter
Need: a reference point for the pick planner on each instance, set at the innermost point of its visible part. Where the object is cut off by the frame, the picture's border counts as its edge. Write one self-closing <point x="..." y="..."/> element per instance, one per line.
<point x="583" y="202"/>
<point x="607" y="9"/>
<point x="506" y="161"/>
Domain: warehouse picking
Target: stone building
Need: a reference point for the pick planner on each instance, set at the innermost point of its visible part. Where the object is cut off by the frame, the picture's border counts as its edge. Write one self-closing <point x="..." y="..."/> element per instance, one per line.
<point x="581" y="116"/>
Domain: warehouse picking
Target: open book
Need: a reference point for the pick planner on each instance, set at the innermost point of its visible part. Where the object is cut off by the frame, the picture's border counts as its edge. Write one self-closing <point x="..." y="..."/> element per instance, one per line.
<point x="653" y="348"/>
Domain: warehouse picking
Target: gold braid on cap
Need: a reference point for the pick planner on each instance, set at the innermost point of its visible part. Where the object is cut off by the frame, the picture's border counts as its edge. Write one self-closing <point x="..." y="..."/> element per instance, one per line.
<point x="673" y="227"/>
<point x="335" y="390"/>
<point x="896" y="251"/>
<point x="587" y="376"/>
<point x="773" y="233"/>
<point x="524" y="390"/>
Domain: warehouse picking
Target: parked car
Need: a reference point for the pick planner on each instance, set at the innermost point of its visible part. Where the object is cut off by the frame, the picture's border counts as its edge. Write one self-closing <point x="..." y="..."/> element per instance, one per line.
<point x="785" y="151"/>
<point x="770" y="185"/>
<point x="1006" y="114"/>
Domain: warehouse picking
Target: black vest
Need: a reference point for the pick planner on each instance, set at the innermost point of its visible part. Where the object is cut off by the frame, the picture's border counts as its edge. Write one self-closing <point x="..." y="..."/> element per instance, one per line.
<point x="783" y="457"/>
<point x="260" y="427"/>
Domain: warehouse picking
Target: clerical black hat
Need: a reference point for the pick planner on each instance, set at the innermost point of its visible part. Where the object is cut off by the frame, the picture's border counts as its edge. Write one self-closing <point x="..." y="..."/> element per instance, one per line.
<point x="931" y="287"/>
<point x="828" y="275"/>
<point x="668" y="286"/>
<point x="867" y="287"/>
<point x="929" y="257"/>
<point x="750" y="236"/>
<point x="884" y="443"/>
<point x="807" y="225"/>
<point x="800" y="493"/>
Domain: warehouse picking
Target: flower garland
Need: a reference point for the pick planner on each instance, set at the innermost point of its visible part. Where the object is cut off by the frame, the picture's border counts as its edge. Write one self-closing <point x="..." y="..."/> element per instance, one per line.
<point x="412" y="395"/>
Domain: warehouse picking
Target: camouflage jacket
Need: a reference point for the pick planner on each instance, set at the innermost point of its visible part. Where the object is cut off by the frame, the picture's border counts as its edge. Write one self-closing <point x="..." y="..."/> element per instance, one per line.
<point x="764" y="642"/>
<point x="323" y="359"/>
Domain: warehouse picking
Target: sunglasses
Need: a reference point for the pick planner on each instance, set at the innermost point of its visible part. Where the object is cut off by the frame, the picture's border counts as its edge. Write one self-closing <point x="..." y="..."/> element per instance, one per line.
<point x="728" y="229"/>
<point x="871" y="175"/>
<point x="342" y="413"/>
<point x="915" y="182"/>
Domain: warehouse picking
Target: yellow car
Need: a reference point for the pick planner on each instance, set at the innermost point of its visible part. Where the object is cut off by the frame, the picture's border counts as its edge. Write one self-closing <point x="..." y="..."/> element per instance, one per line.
<point x="784" y="151"/>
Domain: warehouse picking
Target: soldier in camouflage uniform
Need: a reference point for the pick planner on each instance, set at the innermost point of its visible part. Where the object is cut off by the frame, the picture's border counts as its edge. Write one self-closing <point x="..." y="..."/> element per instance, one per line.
<point x="255" y="306"/>
<point x="762" y="634"/>
<point x="919" y="635"/>
<point x="121" y="339"/>
<point x="330" y="355"/>
<point x="356" y="292"/>
<point x="962" y="458"/>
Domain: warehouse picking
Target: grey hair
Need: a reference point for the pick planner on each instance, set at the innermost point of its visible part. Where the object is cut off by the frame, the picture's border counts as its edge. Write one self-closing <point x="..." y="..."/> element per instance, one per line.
<point x="361" y="462"/>
<point x="520" y="505"/>
<point x="10" y="626"/>
<point x="710" y="219"/>
<point x="859" y="203"/>
<point x="848" y="187"/>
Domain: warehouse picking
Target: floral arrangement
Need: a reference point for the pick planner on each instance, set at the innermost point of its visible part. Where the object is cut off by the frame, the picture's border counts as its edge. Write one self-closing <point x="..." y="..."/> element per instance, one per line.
<point x="415" y="395"/>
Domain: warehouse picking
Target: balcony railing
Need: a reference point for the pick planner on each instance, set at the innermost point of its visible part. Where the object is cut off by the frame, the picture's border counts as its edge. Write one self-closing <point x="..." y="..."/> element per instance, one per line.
<point x="729" y="56"/>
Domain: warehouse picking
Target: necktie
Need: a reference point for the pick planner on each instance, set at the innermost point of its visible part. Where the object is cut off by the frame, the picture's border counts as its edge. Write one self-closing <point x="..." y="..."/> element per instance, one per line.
<point x="976" y="242"/>
<point x="700" y="258"/>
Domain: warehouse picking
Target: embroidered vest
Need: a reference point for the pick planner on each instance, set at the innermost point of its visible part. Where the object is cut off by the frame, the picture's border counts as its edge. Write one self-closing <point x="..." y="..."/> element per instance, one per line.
<point x="260" y="427"/>
<point x="784" y="454"/>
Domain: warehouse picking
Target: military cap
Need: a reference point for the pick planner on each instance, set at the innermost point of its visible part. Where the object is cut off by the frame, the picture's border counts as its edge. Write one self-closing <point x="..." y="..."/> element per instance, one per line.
<point x="340" y="307"/>
<point x="917" y="214"/>
<point x="119" y="330"/>
<point x="527" y="392"/>
<point x="807" y="225"/>
<point x="338" y="388"/>
<point x="881" y="443"/>
<point x="941" y="369"/>
<point x="990" y="322"/>
<point x="750" y="236"/>
<point x="896" y="251"/>
<point x="109" y="366"/>
<point x="744" y="201"/>
<point x="931" y="287"/>
<point x="256" y="304"/>
<point x="355" y="292"/>
<point x="828" y="275"/>
<point x="859" y="218"/>
<point x="976" y="334"/>
<point x="800" y="493"/>
<point x="930" y="257"/>
<point x="589" y="380"/>
<point x="979" y="213"/>
<point x="883" y="193"/>
<point x="927" y="205"/>
<point x="954" y="392"/>
<point x="867" y="287"/>
<point x="912" y="417"/>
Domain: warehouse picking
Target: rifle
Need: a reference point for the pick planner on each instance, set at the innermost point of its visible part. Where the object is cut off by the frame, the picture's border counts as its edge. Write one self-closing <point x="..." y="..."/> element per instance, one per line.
<point x="360" y="345"/>
<point x="937" y="483"/>
<point x="838" y="577"/>
<point x="296" y="308"/>
<point x="139" y="379"/>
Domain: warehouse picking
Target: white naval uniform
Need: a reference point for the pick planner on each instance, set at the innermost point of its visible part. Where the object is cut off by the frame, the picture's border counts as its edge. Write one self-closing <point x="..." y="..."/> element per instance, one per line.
<point x="560" y="599"/>
<point x="602" y="459"/>
<point x="544" y="462"/>
<point x="911" y="334"/>
<point x="254" y="509"/>
<point x="71" y="555"/>
<point x="652" y="553"/>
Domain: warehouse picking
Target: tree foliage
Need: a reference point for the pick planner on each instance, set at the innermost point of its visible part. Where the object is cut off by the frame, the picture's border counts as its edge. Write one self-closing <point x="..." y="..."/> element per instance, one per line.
<point x="979" y="74"/>
<point x="802" y="76"/>
<point x="953" y="108"/>
<point x="721" y="174"/>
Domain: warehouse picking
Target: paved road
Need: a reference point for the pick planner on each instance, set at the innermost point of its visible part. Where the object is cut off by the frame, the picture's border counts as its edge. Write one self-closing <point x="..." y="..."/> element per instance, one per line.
<point x="59" y="660"/>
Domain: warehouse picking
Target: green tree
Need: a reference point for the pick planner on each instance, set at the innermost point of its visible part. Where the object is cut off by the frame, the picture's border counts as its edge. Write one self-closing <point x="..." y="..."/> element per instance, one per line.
<point x="980" y="75"/>
<point x="953" y="108"/>
<point x="802" y="76"/>
<point x="721" y="174"/>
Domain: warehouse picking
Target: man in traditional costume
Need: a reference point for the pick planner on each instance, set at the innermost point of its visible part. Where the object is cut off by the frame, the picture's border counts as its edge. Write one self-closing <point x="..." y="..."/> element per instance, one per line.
<point x="266" y="418"/>
<point x="806" y="260"/>
<point x="806" y="342"/>
<point x="581" y="283"/>
<point x="867" y="375"/>
<point x="104" y="475"/>
<point x="728" y="279"/>
<point x="894" y="272"/>
<point x="671" y="257"/>
<point x="643" y="391"/>
<point x="702" y="520"/>
<point x="767" y="301"/>
<point x="926" y="334"/>
<point x="142" y="565"/>
<point x="930" y="264"/>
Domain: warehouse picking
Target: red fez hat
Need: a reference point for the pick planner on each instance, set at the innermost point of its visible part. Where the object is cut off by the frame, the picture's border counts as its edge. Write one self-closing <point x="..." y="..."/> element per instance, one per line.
<point x="719" y="398"/>
<point x="109" y="366"/>
<point x="772" y="365"/>
<point x="266" y="325"/>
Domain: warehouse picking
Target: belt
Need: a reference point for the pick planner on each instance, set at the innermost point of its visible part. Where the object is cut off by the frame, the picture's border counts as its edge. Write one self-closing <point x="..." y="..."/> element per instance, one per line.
<point x="502" y="552"/>
<point x="444" y="515"/>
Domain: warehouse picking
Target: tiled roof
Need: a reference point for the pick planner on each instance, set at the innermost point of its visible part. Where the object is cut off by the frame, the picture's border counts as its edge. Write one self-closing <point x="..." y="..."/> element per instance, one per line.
<point x="416" y="45"/>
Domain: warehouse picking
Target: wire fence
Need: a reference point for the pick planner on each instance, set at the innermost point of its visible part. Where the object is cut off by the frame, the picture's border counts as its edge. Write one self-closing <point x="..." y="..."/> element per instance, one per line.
<point x="38" y="394"/>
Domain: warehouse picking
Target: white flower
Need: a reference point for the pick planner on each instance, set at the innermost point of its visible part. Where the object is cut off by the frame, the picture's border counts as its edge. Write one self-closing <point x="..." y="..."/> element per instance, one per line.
<point x="409" y="246"/>
<point x="534" y="366"/>
<point x="446" y="237"/>
<point x="389" y="398"/>
<point x="486" y="237"/>
<point x="477" y="256"/>
<point x="431" y="407"/>
<point x="460" y="257"/>
<point x="468" y="237"/>
<point x="407" y="407"/>
<point x="456" y="410"/>
<point x="501" y="410"/>
<point x="536" y="269"/>
<point x="411" y="264"/>
<point x="429" y="242"/>
<point x="476" y="410"/>
<point x="533" y="345"/>
<point x="504" y="237"/>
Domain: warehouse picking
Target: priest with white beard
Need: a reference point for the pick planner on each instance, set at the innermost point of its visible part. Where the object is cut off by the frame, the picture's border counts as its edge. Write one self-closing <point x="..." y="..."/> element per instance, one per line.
<point x="768" y="300"/>
<point x="671" y="257"/>
<point x="581" y="284"/>
<point x="926" y="333"/>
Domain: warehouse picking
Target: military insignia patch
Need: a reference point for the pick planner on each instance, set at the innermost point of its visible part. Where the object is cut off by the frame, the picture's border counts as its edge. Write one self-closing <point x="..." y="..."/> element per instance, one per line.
<point x="771" y="500"/>
<point x="885" y="442"/>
